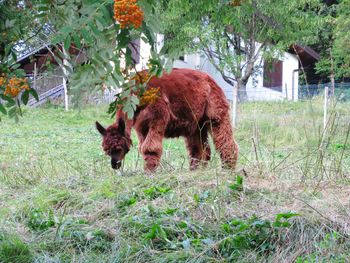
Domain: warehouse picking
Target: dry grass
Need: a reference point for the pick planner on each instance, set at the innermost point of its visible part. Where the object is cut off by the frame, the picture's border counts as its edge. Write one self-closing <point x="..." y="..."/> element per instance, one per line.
<point x="61" y="202"/>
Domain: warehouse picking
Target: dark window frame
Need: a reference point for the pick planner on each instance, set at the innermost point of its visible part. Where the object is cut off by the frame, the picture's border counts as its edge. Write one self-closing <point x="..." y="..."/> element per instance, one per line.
<point x="273" y="75"/>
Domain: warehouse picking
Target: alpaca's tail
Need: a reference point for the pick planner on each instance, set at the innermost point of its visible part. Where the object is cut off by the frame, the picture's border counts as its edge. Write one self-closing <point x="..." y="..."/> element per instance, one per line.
<point x="218" y="111"/>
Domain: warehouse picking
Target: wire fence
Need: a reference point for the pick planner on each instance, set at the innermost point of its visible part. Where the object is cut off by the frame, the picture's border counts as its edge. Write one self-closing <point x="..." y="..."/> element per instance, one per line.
<point x="341" y="91"/>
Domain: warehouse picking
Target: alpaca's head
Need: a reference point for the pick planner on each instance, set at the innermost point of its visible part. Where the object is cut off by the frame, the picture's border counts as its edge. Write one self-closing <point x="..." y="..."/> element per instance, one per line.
<point x="116" y="141"/>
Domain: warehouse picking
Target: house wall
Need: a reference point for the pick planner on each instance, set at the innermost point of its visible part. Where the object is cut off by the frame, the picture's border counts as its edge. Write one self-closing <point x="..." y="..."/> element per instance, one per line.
<point x="255" y="87"/>
<point x="291" y="76"/>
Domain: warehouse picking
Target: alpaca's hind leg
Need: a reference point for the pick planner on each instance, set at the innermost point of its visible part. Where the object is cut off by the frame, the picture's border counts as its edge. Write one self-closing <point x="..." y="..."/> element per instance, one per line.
<point x="198" y="148"/>
<point x="225" y="144"/>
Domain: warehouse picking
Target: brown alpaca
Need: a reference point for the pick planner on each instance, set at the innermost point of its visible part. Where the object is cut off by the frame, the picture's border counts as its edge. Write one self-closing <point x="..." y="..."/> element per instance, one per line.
<point x="190" y="105"/>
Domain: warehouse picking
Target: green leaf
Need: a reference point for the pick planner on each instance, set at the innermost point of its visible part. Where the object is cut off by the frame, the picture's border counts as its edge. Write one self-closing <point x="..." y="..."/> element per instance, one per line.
<point x="10" y="103"/>
<point x="12" y="112"/>
<point x="105" y="12"/>
<point x="123" y="38"/>
<point x="135" y="100"/>
<point x="67" y="30"/>
<point x="25" y="97"/>
<point x="2" y="109"/>
<point x="8" y="99"/>
<point x="238" y="186"/>
<point x="58" y="38"/>
<point x="76" y="40"/>
<point x="34" y="94"/>
<point x="285" y="216"/>
<point x="86" y="35"/>
<point x="67" y="42"/>
<point x="94" y="29"/>
<point x="15" y="66"/>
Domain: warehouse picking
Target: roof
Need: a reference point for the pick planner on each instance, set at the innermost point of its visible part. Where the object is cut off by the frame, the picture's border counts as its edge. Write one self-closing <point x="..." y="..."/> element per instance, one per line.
<point x="306" y="54"/>
<point x="39" y="50"/>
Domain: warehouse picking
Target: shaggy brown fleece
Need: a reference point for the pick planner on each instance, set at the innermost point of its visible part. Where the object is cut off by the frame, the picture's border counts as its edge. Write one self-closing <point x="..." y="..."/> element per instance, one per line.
<point x="190" y="105"/>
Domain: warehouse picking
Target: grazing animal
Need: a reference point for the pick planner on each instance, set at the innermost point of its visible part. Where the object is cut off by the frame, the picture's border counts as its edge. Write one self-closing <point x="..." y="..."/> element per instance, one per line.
<point x="191" y="105"/>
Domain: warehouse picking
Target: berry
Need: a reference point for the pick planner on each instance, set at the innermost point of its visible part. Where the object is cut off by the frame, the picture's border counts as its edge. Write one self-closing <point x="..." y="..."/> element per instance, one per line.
<point x="128" y="13"/>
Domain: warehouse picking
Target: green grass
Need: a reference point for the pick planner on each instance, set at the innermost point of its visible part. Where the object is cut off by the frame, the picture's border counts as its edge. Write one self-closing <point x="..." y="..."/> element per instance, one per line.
<point x="61" y="202"/>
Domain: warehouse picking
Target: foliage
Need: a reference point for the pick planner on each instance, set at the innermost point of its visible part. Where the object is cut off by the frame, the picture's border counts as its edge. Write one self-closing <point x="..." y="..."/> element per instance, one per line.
<point x="234" y="37"/>
<point x="40" y="220"/>
<point x="253" y="233"/>
<point x="333" y="41"/>
<point x="103" y="36"/>
<point x="342" y="39"/>
<point x="238" y="186"/>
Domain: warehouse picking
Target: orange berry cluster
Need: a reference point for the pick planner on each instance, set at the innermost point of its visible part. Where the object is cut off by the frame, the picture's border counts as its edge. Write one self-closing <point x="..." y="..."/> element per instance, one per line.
<point x="149" y="96"/>
<point x="128" y="13"/>
<point x="141" y="77"/>
<point x="14" y="86"/>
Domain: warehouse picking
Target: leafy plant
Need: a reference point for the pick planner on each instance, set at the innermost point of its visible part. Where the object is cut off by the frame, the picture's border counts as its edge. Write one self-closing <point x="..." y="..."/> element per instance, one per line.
<point x="41" y="220"/>
<point x="238" y="186"/>
<point x="156" y="191"/>
<point x="200" y="198"/>
<point x="253" y="233"/>
<point x="127" y="201"/>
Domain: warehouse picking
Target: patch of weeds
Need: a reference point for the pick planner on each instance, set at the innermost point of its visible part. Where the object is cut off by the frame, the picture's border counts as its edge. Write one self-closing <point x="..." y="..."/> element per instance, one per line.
<point x="156" y="191"/>
<point x="238" y="185"/>
<point x="41" y="220"/>
<point x="127" y="200"/>
<point x="82" y="237"/>
<point x="252" y="234"/>
<point x="202" y="197"/>
<point x="162" y="229"/>
<point x="173" y="233"/>
<point x="14" y="250"/>
<point x="340" y="146"/>
<point x="170" y="211"/>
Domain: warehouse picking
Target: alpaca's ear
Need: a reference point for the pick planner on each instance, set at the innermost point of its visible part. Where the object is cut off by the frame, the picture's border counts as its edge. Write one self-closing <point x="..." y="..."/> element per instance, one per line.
<point x="100" y="128"/>
<point x="121" y="126"/>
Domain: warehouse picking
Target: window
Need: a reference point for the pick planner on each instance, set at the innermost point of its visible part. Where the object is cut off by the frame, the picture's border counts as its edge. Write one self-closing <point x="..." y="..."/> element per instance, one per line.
<point x="273" y="75"/>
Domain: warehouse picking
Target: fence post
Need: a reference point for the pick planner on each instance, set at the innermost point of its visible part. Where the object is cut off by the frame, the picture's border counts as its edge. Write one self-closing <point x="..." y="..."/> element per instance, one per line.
<point x="325" y="107"/>
<point x="66" y="102"/>
<point x="234" y="106"/>
<point x="65" y="78"/>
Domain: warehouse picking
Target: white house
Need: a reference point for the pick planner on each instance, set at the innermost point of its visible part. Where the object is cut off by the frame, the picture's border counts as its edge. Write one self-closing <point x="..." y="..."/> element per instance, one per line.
<point x="275" y="81"/>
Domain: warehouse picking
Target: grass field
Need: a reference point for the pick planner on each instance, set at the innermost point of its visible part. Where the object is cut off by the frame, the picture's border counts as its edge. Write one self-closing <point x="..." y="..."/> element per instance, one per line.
<point x="287" y="202"/>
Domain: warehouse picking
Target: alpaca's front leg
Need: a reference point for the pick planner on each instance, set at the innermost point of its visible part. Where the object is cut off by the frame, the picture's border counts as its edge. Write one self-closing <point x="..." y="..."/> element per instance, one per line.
<point x="152" y="149"/>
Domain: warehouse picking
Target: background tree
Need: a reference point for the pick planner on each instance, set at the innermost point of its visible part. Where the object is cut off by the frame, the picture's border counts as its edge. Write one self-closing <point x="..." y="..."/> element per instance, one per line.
<point x="326" y="67"/>
<point x="342" y="38"/>
<point x="235" y="35"/>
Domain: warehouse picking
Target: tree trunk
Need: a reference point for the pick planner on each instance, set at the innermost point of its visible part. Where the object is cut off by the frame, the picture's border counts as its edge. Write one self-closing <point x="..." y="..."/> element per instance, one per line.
<point x="332" y="84"/>
<point x="242" y="91"/>
<point x="332" y="74"/>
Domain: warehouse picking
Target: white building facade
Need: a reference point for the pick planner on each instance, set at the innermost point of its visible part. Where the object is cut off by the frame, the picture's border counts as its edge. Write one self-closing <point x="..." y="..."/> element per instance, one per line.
<point x="258" y="87"/>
